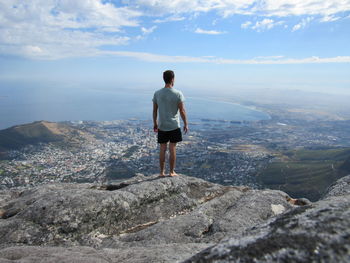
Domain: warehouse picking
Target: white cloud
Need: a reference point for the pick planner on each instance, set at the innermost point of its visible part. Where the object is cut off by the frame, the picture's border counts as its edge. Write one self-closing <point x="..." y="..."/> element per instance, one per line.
<point x="161" y="7"/>
<point x="170" y="19"/>
<point x="33" y="49"/>
<point x="277" y="60"/>
<point x="265" y="24"/>
<point x="208" y="32"/>
<point x="150" y="57"/>
<point x="246" y="24"/>
<point x="329" y="18"/>
<point x="54" y="29"/>
<point x="281" y="8"/>
<point x="303" y="23"/>
<point x="296" y="27"/>
<point x="268" y="57"/>
<point x="147" y="31"/>
<point x="305" y="7"/>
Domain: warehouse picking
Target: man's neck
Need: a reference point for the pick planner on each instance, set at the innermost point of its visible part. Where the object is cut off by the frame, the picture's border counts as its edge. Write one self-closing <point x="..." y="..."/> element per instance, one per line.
<point x="168" y="86"/>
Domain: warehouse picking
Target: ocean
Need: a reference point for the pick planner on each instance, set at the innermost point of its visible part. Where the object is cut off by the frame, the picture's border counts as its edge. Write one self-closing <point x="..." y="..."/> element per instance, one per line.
<point x="19" y="105"/>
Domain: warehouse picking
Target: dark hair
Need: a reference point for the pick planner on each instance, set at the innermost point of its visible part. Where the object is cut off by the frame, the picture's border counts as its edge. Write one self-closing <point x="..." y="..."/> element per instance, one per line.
<point x="168" y="76"/>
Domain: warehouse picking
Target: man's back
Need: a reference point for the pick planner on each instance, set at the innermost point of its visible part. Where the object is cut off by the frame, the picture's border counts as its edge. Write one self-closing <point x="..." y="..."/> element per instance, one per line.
<point x="168" y="100"/>
<point x="169" y="103"/>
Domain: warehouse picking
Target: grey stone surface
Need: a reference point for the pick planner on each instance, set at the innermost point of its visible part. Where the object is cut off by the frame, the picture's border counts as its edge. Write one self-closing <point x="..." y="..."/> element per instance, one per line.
<point x="79" y="254"/>
<point x="340" y="187"/>
<point x="144" y="219"/>
<point x="319" y="232"/>
<point x="75" y="214"/>
<point x="53" y="254"/>
<point x="229" y="214"/>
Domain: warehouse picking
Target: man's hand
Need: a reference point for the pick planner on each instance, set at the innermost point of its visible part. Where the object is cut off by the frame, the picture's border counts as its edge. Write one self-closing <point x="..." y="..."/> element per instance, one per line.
<point x="155" y="128"/>
<point x="185" y="129"/>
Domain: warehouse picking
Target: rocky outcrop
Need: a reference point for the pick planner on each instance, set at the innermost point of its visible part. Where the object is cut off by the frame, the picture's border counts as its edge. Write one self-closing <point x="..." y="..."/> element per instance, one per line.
<point x="318" y="232"/>
<point x="144" y="219"/>
<point x="151" y="219"/>
<point x="339" y="188"/>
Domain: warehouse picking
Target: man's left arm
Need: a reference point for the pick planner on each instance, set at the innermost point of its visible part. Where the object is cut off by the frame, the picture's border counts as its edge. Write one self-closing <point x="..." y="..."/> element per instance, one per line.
<point x="183" y="115"/>
<point x="155" y="115"/>
<point x="181" y="107"/>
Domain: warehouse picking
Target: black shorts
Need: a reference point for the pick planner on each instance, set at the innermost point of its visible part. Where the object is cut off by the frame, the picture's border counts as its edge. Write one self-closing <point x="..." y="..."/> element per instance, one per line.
<point x="172" y="136"/>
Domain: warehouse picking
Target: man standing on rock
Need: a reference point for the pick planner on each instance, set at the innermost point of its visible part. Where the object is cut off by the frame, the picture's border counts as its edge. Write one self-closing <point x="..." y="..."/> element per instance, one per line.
<point x="168" y="102"/>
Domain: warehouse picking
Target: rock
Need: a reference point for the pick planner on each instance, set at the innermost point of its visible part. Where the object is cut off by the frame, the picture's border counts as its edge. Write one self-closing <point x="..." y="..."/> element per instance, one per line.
<point x="143" y="219"/>
<point x="78" y="254"/>
<point x="277" y="209"/>
<point x="340" y="187"/>
<point x="53" y="254"/>
<point x="77" y="214"/>
<point x="319" y="232"/>
<point x="252" y="208"/>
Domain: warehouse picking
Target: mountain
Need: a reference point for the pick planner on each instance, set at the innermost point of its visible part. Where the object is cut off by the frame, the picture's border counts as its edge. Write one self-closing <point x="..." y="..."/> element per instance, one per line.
<point x="171" y="219"/>
<point x="36" y="132"/>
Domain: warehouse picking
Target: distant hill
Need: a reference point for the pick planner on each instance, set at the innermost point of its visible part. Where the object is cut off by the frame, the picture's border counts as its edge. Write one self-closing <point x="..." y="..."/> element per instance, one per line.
<point x="307" y="173"/>
<point x="36" y="132"/>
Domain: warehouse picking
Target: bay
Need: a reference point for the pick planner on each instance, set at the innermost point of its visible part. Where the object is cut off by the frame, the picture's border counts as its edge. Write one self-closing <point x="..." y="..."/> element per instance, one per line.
<point x="19" y="105"/>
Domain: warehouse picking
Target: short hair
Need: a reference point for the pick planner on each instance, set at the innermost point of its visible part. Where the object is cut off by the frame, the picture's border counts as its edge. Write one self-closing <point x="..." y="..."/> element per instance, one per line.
<point x="168" y="76"/>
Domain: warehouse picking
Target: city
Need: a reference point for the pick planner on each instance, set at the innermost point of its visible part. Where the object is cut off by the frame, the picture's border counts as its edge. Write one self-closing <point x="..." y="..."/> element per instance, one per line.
<point x="222" y="152"/>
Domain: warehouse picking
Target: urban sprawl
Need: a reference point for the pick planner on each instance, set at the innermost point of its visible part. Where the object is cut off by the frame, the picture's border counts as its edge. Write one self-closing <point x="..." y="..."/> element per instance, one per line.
<point x="223" y="152"/>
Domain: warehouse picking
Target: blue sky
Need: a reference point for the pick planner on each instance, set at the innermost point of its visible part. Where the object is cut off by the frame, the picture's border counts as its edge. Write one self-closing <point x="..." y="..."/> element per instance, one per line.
<point x="211" y="44"/>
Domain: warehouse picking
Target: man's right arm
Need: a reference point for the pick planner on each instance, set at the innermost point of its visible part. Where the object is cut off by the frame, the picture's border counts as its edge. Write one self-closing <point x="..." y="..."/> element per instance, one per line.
<point x="183" y="116"/>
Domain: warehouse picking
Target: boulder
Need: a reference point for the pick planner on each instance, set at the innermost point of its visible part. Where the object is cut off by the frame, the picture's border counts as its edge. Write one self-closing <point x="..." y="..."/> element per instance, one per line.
<point x="318" y="232"/>
<point x="339" y="188"/>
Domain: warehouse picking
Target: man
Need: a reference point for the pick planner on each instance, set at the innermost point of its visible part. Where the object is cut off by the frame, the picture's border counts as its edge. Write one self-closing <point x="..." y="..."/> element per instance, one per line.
<point x="168" y="102"/>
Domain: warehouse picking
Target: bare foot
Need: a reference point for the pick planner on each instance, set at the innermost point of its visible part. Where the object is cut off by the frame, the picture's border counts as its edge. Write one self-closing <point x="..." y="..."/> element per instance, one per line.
<point x="161" y="175"/>
<point x="173" y="174"/>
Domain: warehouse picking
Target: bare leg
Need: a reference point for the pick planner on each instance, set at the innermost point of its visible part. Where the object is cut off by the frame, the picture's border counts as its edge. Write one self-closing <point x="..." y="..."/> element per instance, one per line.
<point x="172" y="158"/>
<point x="162" y="152"/>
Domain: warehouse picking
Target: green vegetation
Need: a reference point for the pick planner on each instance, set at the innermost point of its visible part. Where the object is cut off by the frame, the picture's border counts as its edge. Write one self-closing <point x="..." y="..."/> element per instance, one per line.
<point x="307" y="173"/>
<point x="339" y="154"/>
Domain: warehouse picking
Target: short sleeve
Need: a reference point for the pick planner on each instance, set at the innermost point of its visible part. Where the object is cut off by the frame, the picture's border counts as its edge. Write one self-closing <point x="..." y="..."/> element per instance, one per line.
<point x="181" y="97"/>
<point x="154" y="98"/>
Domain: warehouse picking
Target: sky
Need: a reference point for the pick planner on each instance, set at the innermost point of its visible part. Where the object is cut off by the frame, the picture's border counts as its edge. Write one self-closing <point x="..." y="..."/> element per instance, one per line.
<point x="210" y="44"/>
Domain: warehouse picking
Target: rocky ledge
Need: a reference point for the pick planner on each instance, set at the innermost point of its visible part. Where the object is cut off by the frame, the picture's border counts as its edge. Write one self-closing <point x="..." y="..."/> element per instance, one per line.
<point x="171" y="219"/>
